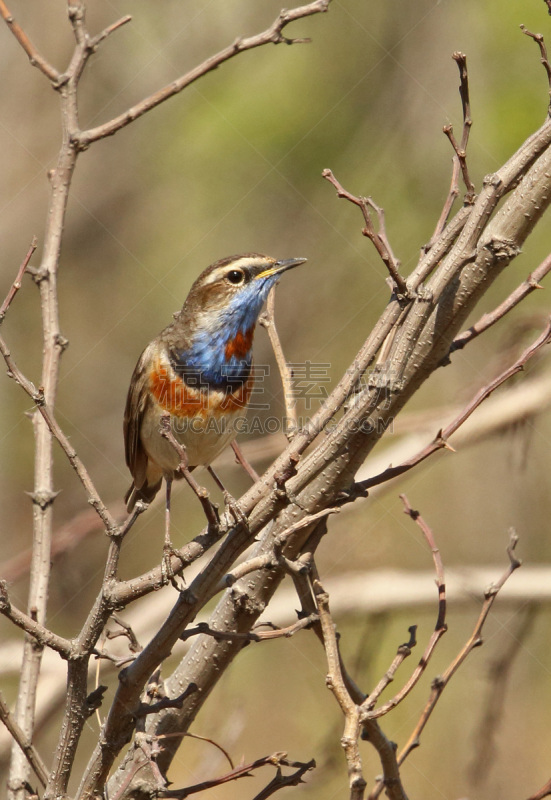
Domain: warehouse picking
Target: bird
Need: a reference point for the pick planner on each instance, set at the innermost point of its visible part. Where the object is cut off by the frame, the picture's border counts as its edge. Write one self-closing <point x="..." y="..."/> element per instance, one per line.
<point x="198" y="374"/>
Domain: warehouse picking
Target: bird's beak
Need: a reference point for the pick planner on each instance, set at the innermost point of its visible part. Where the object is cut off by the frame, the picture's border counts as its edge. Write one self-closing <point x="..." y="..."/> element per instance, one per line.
<point x="281" y="266"/>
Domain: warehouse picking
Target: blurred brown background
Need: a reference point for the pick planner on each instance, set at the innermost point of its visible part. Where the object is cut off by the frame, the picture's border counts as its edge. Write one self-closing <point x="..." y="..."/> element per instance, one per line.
<point x="232" y="165"/>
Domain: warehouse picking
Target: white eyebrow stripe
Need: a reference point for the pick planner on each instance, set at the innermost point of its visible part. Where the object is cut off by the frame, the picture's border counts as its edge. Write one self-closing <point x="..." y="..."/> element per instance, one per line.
<point x="240" y="263"/>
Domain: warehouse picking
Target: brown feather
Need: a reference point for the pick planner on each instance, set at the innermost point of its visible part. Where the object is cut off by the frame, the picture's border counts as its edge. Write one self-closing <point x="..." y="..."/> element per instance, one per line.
<point x="136" y="457"/>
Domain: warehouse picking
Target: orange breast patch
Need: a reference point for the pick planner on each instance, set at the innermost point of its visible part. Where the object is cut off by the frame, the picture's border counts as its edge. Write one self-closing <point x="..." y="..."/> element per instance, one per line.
<point x="240" y="345"/>
<point x="181" y="400"/>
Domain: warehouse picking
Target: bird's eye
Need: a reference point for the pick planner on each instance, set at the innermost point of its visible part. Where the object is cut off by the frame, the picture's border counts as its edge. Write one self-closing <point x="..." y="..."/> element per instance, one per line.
<point x="236" y="276"/>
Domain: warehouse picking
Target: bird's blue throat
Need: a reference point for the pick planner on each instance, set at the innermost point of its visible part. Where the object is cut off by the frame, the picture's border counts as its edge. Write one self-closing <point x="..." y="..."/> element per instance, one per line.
<point x="220" y="355"/>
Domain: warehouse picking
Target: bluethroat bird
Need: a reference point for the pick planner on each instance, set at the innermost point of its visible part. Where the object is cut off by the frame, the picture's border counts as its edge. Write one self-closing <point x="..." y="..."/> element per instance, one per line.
<point x="199" y="371"/>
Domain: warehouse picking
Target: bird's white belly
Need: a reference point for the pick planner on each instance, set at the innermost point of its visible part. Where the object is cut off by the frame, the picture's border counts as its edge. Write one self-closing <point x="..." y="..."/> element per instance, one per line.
<point x="203" y="439"/>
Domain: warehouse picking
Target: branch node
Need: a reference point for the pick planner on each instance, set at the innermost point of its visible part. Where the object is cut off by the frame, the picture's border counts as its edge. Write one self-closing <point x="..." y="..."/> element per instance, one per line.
<point x="43" y="499"/>
<point x="5" y="604"/>
<point x="62" y="342"/>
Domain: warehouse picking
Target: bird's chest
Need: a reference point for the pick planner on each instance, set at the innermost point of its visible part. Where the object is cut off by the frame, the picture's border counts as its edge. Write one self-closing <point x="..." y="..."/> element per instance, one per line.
<point x="204" y="414"/>
<point x="198" y="385"/>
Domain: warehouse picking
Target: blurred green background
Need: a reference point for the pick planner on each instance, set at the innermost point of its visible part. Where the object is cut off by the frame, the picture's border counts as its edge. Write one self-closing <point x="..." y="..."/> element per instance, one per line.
<point x="233" y="165"/>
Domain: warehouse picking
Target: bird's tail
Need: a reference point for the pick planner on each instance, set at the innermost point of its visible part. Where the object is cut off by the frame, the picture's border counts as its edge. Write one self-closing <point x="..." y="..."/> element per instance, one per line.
<point x="146" y="493"/>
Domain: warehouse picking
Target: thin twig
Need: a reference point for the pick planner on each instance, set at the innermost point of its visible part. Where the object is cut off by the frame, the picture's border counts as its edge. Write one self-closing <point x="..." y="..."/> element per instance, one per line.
<point x="35" y="629"/>
<point x="538" y="38"/>
<point x="241" y="459"/>
<point x="275" y="557"/>
<point x="190" y="735"/>
<point x="252" y="636"/>
<point x="96" y="40"/>
<point x="379" y="238"/>
<point x="37" y="395"/>
<point x="336" y="684"/>
<point x="403" y="652"/>
<point x="499" y="675"/>
<point x="31" y="753"/>
<point x="532" y="282"/>
<point x="461" y="61"/>
<point x="267" y="320"/>
<point x="133" y="644"/>
<point x="272" y="35"/>
<point x="440" y="629"/>
<point x="16" y="285"/>
<point x="276" y="759"/>
<point x="545" y="790"/>
<point x="349" y="697"/>
<point x="441" y="439"/>
<point x="459" y="163"/>
<point x="146" y="709"/>
<point x="440" y="683"/>
<point x="280" y="781"/>
<point x="34" y="56"/>
<point x="436" y="557"/>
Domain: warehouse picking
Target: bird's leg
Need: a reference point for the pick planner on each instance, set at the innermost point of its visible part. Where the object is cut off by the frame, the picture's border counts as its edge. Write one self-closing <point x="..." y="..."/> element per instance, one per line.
<point x="184" y="469"/>
<point x="168" y="549"/>
<point x="229" y="500"/>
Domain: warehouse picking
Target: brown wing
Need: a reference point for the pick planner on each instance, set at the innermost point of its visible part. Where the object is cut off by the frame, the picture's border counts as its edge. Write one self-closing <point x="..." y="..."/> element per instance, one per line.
<point x="136" y="404"/>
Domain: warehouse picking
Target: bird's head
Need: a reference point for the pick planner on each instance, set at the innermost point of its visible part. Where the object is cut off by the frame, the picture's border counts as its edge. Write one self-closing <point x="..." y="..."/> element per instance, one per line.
<point x="232" y="291"/>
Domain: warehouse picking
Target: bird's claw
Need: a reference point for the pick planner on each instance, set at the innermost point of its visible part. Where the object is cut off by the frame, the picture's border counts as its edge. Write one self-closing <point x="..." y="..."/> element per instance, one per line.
<point x="234" y="508"/>
<point x="167" y="571"/>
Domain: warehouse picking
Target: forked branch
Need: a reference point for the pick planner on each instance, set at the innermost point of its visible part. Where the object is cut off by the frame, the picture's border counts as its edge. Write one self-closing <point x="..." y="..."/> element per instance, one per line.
<point x="474" y="640"/>
<point x="378" y="237"/>
<point x="538" y="38"/>
<point x="459" y="166"/>
<point x="272" y="35"/>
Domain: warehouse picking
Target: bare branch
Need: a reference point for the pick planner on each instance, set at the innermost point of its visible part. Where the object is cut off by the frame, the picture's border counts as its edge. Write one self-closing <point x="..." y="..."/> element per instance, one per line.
<point x="538" y="38"/>
<point x="460" y="152"/>
<point x="499" y="675"/>
<point x="545" y="791"/>
<point x="436" y="557"/>
<point x="16" y="285"/>
<point x="272" y="35"/>
<point x="440" y="683"/>
<point x="275" y="557"/>
<point x="241" y="459"/>
<point x="31" y="754"/>
<point x="96" y="40"/>
<point x="403" y="652"/>
<point x="189" y="735"/>
<point x="528" y="286"/>
<point x="441" y="439"/>
<point x="277" y="759"/>
<point x="336" y="684"/>
<point x="440" y="629"/>
<point x="267" y="320"/>
<point x="280" y="781"/>
<point x="379" y="238"/>
<point x="34" y="56"/>
<point x="133" y="644"/>
<point x="252" y="636"/>
<point x="166" y="702"/>
<point x="37" y="395"/>
<point x="35" y="629"/>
